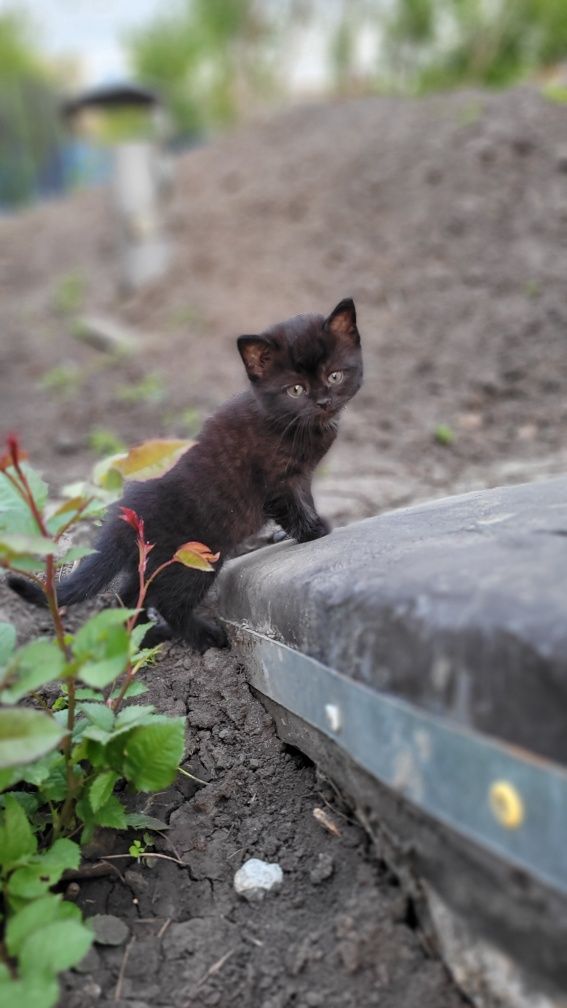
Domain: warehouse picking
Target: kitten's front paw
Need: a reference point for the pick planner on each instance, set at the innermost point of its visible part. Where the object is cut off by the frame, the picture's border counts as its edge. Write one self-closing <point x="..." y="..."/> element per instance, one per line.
<point x="280" y="535"/>
<point x="317" y="531"/>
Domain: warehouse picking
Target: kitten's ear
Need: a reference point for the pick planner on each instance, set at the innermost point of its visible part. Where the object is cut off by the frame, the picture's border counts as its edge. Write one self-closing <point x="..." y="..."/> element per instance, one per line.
<point x="257" y="354"/>
<point x="342" y="322"/>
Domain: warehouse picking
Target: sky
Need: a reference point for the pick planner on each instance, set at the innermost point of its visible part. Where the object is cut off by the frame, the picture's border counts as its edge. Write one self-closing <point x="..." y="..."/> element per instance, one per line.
<point x="88" y="29"/>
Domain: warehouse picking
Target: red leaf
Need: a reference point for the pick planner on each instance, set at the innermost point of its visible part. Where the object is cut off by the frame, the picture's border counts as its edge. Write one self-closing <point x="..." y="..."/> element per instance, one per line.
<point x="13" y="448"/>
<point x="129" y="515"/>
<point x="13" y="455"/>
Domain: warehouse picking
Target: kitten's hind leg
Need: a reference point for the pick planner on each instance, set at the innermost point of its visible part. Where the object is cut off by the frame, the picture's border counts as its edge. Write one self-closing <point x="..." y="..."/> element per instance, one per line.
<point x="175" y="594"/>
<point x="202" y="633"/>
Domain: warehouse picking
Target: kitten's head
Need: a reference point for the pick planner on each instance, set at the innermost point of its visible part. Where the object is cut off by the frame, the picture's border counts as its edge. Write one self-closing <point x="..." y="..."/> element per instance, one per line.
<point x="306" y="368"/>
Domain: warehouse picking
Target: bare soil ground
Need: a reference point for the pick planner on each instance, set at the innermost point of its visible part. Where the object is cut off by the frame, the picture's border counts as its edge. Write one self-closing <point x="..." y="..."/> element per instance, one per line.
<point x="446" y="220"/>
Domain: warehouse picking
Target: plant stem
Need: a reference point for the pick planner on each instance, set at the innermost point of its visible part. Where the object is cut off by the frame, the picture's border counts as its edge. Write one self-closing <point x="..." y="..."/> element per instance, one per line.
<point x="50" y="589"/>
<point x="30" y="501"/>
<point x="130" y="672"/>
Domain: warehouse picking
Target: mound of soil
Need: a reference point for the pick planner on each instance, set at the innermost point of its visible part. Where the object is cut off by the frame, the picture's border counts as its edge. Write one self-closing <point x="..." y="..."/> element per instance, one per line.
<point x="446" y="220"/>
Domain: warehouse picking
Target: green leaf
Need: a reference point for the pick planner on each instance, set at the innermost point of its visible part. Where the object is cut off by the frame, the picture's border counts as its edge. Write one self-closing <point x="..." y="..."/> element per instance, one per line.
<point x="130" y="716"/>
<point x="34" y="880"/>
<point x="15" y="515"/>
<point x="75" y="509"/>
<point x="25" y="735"/>
<point x="102" y="647"/>
<point x="39" y="771"/>
<point x="139" y="820"/>
<point x="98" y="714"/>
<point x="137" y="635"/>
<point x="30" y="992"/>
<point x="103" y="672"/>
<point x="32" y="666"/>
<point x="54" y="948"/>
<point x="111" y="814"/>
<point x="37" y="915"/>
<point x="153" y="753"/>
<point x="444" y="435"/>
<point x="63" y="855"/>
<point x="27" y="552"/>
<point x="17" y="840"/>
<point x="29" y="802"/>
<point x="55" y="787"/>
<point x="87" y="694"/>
<point x="7" y="641"/>
<point x="96" y="735"/>
<point x="74" y="553"/>
<point x="96" y="753"/>
<point x="9" y="777"/>
<point x="92" y="629"/>
<point x="135" y="689"/>
<point x="101" y="789"/>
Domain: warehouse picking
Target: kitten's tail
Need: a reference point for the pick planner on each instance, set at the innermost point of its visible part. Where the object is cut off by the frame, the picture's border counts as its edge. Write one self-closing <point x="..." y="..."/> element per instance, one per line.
<point x="94" y="573"/>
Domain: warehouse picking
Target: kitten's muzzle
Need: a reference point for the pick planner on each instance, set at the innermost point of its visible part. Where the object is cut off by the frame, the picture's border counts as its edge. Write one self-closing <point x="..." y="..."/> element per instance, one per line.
<point x="323" y="403"/>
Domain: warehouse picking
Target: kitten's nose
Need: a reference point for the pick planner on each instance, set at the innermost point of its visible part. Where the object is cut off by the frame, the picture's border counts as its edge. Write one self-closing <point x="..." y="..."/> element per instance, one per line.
<point x="323" y="402"/>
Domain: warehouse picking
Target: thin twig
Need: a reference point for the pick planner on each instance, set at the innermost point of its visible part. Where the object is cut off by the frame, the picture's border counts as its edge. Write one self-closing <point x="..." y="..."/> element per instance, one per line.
<point x="215" y="968"/>
<point x="163" y="928"/>
<point x="149" y="854"/>
<point x="192" y="776"/>
<point x="120" y="981"/>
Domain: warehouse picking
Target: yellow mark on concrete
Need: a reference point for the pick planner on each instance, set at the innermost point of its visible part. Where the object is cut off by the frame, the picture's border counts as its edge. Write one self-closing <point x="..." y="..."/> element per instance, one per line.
<point x="506" y="804"/>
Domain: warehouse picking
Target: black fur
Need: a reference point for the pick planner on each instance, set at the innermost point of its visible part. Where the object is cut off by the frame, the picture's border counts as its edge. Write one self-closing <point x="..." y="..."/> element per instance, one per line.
<point x="254" y="460"/>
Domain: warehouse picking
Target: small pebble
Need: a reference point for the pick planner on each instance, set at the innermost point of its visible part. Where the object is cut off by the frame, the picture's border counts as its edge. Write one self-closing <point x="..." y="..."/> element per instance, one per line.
<point x="256" y="878"/>
<point x="109" y="930"/>
<point x="323" y="869"/>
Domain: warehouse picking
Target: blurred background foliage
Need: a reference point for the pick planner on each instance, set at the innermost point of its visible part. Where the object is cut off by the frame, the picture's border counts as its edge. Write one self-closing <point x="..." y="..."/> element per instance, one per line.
<point x="215" y="62"/>
<point x="30" y="130"/>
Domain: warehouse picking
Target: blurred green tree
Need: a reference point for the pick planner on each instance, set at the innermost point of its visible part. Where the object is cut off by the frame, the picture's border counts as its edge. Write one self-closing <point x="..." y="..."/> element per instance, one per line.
<point x="210" y="59"/>
<point x="29" y="126"/>
<point x="431" y="44"/>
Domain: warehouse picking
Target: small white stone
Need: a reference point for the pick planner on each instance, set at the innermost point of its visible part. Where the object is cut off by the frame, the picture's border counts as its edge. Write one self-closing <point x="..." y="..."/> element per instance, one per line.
<point x="256" y="878"/>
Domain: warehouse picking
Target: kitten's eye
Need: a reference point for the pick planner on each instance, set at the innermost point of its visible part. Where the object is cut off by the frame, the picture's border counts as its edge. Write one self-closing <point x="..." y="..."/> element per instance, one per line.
<point x="295" y="391"/>
<point x="335" y="377"/>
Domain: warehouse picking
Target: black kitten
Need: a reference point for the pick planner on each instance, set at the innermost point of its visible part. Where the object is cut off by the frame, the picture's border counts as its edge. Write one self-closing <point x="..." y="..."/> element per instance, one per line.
<point x="254" y="460"/>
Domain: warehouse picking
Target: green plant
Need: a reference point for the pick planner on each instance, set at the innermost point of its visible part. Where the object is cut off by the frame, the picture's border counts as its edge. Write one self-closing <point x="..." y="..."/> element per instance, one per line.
<point x="29" y="112"/>
<point x="209" y="59"/>
<point x="431" y="44"/>
<point x="65" y="379"/>
<point x="69" y="294"/>
<point x="188" y="420"/>
<point x="105" y="442"/>
<point x="533" y="289"/>
<point x="444" y="435"/>
<point x="555" y="93"/>
<point x="140" y="847"/>
<point x="64" y="766"/>
<point x="150" y="389"/>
